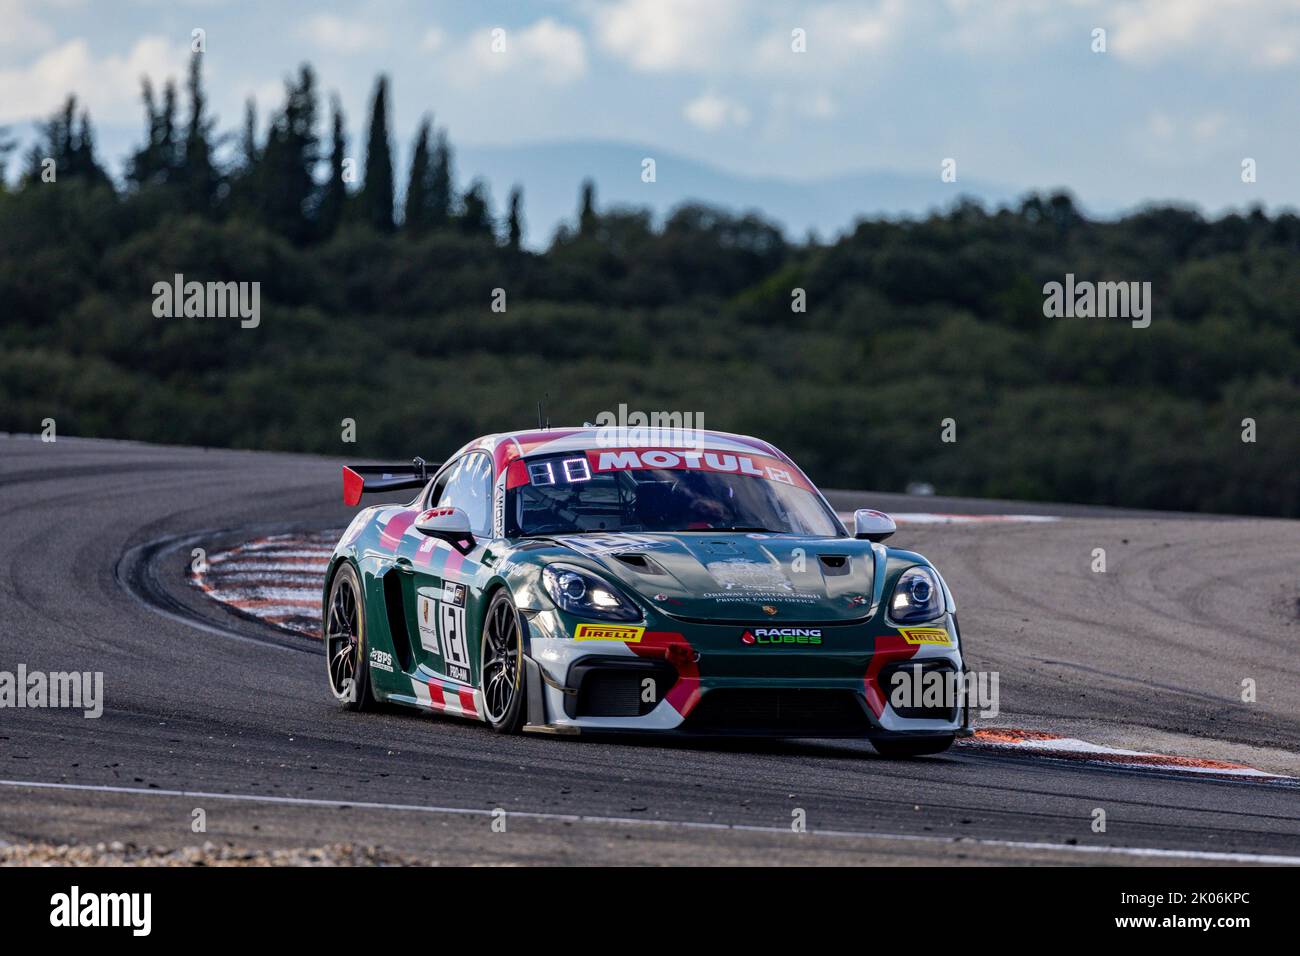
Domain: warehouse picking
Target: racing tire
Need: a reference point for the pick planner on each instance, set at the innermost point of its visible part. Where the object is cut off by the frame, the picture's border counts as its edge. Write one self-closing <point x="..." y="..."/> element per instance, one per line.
<point x="347" y="662"/>
<point x="501" y="666"/>
<point x="913" y="747"/>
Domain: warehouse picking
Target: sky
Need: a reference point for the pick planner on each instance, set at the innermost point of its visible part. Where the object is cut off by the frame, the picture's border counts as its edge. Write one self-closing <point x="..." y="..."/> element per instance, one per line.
<point x="1011" y="89"/>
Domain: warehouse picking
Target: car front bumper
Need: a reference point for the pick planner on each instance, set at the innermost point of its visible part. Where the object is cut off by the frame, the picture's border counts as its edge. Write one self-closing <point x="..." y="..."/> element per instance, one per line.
<point x="706" y="680"/>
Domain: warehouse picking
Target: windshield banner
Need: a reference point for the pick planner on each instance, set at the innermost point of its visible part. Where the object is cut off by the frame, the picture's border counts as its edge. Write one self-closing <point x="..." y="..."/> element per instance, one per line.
<point x="723" y="462"/>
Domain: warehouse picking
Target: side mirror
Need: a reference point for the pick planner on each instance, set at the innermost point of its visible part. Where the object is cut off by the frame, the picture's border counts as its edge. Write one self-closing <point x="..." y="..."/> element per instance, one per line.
<point x="449" y="524"/>
<point x="872" y="525"/>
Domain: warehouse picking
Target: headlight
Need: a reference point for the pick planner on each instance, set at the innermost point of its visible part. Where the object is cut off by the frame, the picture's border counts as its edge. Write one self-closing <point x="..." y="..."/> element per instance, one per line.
<point x="917" y="597"/>
<point x="581" y="592"/>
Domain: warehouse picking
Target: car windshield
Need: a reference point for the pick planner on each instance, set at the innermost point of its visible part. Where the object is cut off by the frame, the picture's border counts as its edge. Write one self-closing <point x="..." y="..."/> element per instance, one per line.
<point x="570" y="494"/>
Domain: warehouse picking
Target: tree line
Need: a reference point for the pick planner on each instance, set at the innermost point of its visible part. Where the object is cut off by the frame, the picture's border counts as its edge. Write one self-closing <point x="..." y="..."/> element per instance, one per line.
<point x="275" y="180"/>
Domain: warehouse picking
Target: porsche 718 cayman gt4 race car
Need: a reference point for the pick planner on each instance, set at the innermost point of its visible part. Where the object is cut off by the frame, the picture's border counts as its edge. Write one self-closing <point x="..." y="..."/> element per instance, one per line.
<point x="551" y="581"/>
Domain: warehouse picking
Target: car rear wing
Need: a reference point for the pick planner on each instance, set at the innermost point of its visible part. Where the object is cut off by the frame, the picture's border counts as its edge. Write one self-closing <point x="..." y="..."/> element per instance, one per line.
<point x="361" y="480"/>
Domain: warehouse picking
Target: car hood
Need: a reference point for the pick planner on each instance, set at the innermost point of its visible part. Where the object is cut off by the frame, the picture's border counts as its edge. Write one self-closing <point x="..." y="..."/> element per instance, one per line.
<point x="734" y="576"/>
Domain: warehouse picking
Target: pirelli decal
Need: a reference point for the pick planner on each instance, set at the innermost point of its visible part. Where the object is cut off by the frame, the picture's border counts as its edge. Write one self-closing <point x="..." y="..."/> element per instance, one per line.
<point x="608" y="632"/>
<point x="926" y="635"/>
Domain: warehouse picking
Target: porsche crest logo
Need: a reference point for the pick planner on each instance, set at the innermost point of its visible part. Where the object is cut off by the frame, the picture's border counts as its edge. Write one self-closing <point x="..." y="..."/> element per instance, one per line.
<point x="769" y="610"/>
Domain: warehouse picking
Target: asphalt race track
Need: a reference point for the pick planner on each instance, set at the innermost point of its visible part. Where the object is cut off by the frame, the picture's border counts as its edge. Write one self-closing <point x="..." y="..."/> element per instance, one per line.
<point x="207" y="709"/>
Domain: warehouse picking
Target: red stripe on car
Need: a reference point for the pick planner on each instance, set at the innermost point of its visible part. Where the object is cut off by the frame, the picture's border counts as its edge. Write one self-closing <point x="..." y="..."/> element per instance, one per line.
<point x="467" y="701"/>
<point x="888" y="648"/>
<point x="395" y="528"/>
<point x="435" y="694"/>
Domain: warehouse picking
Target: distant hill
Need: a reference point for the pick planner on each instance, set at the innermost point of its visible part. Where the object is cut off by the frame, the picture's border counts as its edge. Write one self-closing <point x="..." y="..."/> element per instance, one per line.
<point x="551" y="173"/>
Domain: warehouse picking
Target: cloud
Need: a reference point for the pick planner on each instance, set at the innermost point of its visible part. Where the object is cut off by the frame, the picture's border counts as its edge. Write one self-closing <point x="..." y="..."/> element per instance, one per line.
<point x="109" y="87"/>
<point x="839" y="37"/>
<point x="335" y="34"/>
<point x="23" y="30"/>
<point x="658" y="36"/>
<point x="433" y="39"/>
<point x="1246" y="33"/>
<point x="712" y="112"/>
<point x="548" y="51"/>
<point x="1008" y="27"/>
<point x="1171" y="141"/>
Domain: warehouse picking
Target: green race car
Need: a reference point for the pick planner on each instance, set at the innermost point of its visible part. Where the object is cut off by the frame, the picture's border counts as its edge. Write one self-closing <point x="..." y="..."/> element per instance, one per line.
<point x="562" y="581"/>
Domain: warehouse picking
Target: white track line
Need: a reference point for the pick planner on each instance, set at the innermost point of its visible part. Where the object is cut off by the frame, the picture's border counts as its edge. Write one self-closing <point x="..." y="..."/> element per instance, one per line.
<point x="928" y="517"/>
<point x="1208" y="856"/>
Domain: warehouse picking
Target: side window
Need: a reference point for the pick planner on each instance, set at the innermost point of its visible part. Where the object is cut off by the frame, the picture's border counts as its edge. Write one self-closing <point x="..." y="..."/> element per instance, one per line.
<point x="469" y="487"/>
<point x="435" y="493"/>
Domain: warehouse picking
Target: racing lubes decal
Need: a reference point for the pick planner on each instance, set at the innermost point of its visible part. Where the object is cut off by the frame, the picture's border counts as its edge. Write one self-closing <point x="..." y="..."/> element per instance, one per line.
<point x="782" y="635"/>
<point x="755" y="466"/>
<point x="608" y="632"/>
<point x="926" y="635"/>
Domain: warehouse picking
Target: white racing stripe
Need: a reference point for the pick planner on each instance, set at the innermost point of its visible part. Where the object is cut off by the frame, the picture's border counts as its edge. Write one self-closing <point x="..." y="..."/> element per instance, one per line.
<point x="1207" y="856"/>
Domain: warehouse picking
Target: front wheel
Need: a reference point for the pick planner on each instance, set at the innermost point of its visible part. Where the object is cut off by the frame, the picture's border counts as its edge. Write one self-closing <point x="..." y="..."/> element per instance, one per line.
<point x="346" y="659"/>
<point x="502" y="666"/>
<point x="913" y="746"/>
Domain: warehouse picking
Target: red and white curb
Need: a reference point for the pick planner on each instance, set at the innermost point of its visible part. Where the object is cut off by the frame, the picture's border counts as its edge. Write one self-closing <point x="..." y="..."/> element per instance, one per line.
<point x="1071" y="748"/>
<point x="276" y="579"/>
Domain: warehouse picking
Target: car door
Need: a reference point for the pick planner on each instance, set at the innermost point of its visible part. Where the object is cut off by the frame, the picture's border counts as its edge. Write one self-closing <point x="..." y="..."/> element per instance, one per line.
<point x="444" y="578"/>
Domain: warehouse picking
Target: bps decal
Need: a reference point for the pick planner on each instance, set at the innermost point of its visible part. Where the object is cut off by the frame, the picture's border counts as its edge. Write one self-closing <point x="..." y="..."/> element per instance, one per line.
<point x="782" y="635"/>
<point x="608" y="632"/>
<point x="926" y="635"/>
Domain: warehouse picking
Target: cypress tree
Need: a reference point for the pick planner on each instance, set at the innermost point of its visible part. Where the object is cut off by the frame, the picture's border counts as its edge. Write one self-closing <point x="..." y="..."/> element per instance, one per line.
<point x="336" y="190"/>
<point x="515" y="227"/>
<point x="376" y="198"/>
<point x="286" y="182"/>
<point x="440" y="182"/>
<point x="199" y="173"/>
<point x="476" y="210"/>
<point x="587" y="209"/>
<point x="418" y="216"/>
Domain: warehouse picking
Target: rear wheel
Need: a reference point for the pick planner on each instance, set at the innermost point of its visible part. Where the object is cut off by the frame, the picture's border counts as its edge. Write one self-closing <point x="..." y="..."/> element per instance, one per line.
<point x="501" y="651"/>
<point x="913" y="746"/>
<point x="346" y="657"/>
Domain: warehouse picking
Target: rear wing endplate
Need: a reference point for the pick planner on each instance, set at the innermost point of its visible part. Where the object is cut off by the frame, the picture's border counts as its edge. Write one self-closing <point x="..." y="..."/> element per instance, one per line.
<point x="361" y="480"/>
